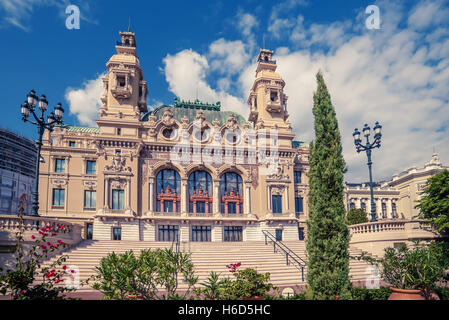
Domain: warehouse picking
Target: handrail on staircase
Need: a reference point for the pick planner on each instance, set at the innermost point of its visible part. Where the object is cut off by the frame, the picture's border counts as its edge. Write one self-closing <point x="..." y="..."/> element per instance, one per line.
<point x="289" y="254"/>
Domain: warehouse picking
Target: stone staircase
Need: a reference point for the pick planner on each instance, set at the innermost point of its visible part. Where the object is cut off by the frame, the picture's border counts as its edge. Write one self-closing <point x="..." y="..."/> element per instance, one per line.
<point x="210" y="256"/>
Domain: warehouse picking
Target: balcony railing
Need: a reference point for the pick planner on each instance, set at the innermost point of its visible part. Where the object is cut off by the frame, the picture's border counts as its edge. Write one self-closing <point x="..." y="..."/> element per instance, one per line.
<point x="11" y="223"/>
<point x="119" y="43"/>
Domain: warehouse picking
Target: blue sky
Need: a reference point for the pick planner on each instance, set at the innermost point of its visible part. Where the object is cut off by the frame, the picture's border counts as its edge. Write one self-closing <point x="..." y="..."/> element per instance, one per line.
<point x="397" y="75"/>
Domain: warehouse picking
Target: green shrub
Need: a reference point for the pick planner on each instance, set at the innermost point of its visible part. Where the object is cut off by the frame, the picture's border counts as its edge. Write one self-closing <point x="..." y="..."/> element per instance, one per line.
<point x="442" y="292"/>
<point x="370" y="294"/>
<point x="126" y="276"/>
<point x="356" y="216"/>
<point x="248" y="283"/>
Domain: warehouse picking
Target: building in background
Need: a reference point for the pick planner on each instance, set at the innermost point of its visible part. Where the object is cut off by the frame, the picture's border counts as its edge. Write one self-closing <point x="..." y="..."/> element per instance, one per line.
<point x="17" y="171"/>
<point x="397" y="197"/>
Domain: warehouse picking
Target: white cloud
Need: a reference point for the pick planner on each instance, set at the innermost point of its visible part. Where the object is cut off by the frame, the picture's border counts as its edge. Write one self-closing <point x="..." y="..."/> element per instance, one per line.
<point x="396" y="76"/>
<point x="389" y="76"/>
<point x="186" y="73"/>
<point x="428" y="13"/>
<point x="228" y="57"/>
<point x="246" y="22"/>
<point x="85" y="102"/>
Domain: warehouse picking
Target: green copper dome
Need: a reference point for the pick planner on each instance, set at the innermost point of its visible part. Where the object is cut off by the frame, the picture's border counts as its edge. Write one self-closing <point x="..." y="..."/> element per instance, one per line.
<point x="190" y="109"/>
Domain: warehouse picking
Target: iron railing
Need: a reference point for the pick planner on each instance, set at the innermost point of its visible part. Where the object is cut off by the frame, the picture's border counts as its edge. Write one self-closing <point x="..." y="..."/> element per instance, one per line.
<point x="290" y="255"/>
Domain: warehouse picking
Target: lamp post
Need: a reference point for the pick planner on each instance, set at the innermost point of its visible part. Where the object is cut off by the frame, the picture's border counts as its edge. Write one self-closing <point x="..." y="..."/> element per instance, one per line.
<point x="368" y="147"/>
<point x="29" y="106"/>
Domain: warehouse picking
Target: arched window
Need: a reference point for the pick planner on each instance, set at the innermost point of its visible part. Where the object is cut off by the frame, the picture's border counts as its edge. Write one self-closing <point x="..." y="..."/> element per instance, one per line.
<point x="231" y="193"/>
<point x="168" y="191"/>
<point x="200" y="192"/>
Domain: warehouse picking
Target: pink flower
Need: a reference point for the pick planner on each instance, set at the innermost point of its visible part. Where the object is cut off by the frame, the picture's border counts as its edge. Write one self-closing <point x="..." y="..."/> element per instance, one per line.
<point x="64" y="267"/>
<point x="33" y="237"/>
<point x="44" y="247"/>
<point x="22" y="292"/>
<point x="60" y="242"/>
<point x="72" y="271"/>
<point x="15" y="296"/>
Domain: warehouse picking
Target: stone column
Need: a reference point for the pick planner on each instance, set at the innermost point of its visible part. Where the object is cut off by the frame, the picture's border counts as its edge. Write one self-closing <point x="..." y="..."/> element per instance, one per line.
<point x="128" y="188"/>
<point x="287" y="208"/>
<point x="269" y="198"/>
<point x="184" y="196"/>
<point x="389" y="209"/>
<point x="151" y="195"/>
<point x="379" y="208"/>
<point x="216" y="197"/>
<point x="106" y="193"/>
<point x="247" y="200"/>
<point x="358" y="203"/>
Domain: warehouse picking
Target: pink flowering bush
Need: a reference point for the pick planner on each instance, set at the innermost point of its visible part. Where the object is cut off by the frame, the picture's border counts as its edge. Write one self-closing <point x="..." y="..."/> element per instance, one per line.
<point x="20" y="282"/>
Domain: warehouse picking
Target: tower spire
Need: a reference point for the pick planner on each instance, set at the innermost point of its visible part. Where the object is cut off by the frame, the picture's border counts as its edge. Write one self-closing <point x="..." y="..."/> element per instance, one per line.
<point x="129" y="24"/>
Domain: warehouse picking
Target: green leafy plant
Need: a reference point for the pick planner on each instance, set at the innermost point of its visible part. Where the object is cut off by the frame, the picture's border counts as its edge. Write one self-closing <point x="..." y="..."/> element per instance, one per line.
<point x="212" y="288"/>
<point x="356" y="216"/>
<point x="370" y="294"/>
<point x="126" y="276"/>
<point x="417" y="268"/>
<point x="20" y="282"/>
<point x="248" y="283"/>
<point x="328" y="234"/>
<point x="434" y="205"/>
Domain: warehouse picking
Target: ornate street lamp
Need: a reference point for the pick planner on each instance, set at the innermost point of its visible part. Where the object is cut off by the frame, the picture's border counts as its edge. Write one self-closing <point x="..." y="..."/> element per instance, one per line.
<point x="368" y="147"/>
<point x="53" y="118"/>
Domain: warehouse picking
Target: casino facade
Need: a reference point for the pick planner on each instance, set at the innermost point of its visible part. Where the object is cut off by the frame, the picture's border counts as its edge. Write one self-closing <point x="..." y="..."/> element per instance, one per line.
<point x="187" y="170"/>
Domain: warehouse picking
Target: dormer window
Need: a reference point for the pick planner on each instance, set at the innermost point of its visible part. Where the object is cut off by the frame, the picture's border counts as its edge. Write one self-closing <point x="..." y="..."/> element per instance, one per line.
<point x="121" y="80"/>
<point x="202" y="135"/>
<point x="274" y="96"/>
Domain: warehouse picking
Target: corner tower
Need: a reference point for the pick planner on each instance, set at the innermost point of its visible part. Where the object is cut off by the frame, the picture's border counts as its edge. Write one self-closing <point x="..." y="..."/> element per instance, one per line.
<point x="125" y="88"/>
<point x="267" y="101"/>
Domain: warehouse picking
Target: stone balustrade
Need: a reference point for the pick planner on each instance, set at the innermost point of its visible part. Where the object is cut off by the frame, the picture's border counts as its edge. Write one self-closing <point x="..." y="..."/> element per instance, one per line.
<point x="9" y="225"/>
<point x="374" y="237"/>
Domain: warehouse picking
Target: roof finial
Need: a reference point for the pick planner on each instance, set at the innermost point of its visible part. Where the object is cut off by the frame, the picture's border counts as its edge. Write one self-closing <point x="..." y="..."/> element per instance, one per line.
<point x="263" y="37"/>
<point x="129" y="24"/>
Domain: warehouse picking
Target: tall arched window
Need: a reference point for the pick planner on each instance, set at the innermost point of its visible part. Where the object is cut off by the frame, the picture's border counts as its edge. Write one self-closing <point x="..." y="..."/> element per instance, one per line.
<point x="168" y="191"/>
<point x="231" y="193"/>
<point x="200" y="192"/>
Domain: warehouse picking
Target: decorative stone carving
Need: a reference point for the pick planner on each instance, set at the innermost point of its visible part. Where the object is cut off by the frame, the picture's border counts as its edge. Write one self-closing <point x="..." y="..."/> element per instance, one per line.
<point x="279" y="173"/>
<point x="168" y="119"/>
<point x="90" y="184"/>
<point x="231" y="122"/>
<point x="59" y="182"/>
<point x="118" y="183"/>
<point x="118" y="164"/>
<point x="99" y="146"/>
<point x="277" y="190"/>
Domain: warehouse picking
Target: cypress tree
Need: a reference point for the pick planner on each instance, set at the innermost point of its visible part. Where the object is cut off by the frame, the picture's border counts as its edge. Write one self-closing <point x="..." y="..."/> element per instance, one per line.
<point x="328" y="234"/>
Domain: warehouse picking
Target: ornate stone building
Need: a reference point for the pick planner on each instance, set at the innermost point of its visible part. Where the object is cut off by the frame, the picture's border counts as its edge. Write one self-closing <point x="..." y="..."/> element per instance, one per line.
<point x="187" y="170"/>
<point x="191" y="170"/>
<point x="397" y="197"/>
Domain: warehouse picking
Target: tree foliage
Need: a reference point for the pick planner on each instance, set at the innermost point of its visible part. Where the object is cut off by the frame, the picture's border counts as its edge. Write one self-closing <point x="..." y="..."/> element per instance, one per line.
<point x="356" y="216"/>
<point x="434" y="205"/>
<point x="328" y="234"/>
